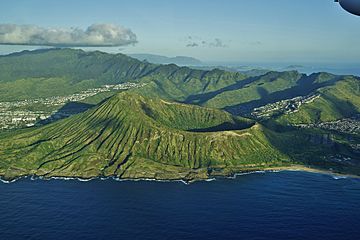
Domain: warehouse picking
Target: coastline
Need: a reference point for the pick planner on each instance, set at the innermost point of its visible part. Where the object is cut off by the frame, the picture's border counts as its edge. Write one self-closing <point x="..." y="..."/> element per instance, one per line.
<point x="300" y="168"/>
<point x="294" y="168"/>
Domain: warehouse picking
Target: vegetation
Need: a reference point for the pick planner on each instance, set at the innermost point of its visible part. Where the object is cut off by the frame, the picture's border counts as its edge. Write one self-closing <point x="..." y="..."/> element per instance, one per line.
<point x="337" y="101"/>
<point x="174" y="126"/>
<point x="158" y="59"/>
<point x="43" y="73"/>
<point x="50" y="72"/>
<point x="131" y="136"/>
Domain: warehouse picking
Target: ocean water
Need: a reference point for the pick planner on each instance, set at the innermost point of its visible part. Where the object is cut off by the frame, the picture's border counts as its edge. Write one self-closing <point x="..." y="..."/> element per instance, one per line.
<point x="284" y="205"/>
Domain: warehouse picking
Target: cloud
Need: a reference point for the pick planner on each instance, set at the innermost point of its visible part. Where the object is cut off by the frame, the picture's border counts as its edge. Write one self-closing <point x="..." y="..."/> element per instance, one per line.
<point x="96" y="35"/>
<point x="193" y="44"/>
<point x="198" y="42"/>
<point x="217" y="43"/>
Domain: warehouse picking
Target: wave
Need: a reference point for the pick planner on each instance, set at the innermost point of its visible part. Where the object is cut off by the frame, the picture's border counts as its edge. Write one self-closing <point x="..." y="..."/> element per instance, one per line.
<point x="246" y="173"/>
<point x="34" y="178"/>
<point x="149" y="180"/>
<point x="338" y="177"/>
<point x="13" y="180"/>
<point x="210" y="180"/>
<point x="234" y="176"/>
<point x="7" y="182"/>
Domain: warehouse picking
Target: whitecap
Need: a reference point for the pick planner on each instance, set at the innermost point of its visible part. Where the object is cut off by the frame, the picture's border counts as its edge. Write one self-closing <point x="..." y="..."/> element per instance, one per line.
<point x="6" y="182"/>
<point x="147" y="180"/>
<point x="13" y="180"/>
<point x="210" y="180"/>
<point x="85" y="179"/>
<point x="246" y="173"/>
<point x="338" y="177"/>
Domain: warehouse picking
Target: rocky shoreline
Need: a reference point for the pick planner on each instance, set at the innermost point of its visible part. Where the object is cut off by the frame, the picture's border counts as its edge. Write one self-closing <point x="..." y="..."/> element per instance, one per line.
<point x="295" y="168"/>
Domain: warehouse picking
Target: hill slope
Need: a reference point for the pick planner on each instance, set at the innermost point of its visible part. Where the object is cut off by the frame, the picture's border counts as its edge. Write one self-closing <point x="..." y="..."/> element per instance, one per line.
<point x="158" y="59"/>
<point x="129" y="136"/>
<point x="58" y="72"/>
<point x="334" y="102"/>
<point x="61" y="72"/>
<point x="241" y="94"/>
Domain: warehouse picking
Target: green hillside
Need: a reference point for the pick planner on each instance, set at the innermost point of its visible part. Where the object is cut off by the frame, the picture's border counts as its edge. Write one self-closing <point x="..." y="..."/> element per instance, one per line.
<point x="158" y="59"/>
<point x="268" y="88"/>
<point x="133" y="137"/>
<point x="236" y="94"/>
<point x="341" y="100"/>
<point x="58" y="72"/>
<point x="173" y="126"/>
<point x="174" y="83"/>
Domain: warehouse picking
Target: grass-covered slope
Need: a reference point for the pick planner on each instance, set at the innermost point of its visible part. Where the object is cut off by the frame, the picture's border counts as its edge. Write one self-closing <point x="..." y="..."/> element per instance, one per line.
<point x="136" y="134"/>
<point x="268" y="88"/>
<point x="235" y="92"/>
<point x="337" y="101"/>
<point x="174" y="83"/>
<point x="130" y="136"/>
<point x="58" y="72"/>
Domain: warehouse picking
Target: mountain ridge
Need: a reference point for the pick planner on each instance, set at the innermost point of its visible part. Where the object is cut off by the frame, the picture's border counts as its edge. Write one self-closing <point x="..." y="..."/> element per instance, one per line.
<point x="159" y="59"/>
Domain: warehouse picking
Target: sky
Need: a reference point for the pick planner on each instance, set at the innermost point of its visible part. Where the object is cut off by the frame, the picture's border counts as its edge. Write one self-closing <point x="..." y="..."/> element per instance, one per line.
<point x="211" y="30"/>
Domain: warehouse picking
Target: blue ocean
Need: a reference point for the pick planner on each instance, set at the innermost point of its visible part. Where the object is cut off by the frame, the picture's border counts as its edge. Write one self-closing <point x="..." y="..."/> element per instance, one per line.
<point x="284" y="205"/>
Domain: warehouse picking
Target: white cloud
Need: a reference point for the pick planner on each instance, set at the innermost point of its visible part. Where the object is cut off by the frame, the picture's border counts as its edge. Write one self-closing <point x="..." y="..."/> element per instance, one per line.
<point x="96" y="35"/>
<point x="217" y="43"/>
<point x="198" y="42"/>
<point x="192" y="44"/>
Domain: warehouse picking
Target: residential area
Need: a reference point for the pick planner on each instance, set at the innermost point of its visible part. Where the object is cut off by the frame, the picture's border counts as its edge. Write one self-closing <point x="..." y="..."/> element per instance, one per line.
<point x="16" y="115"/>
<point x="282" y="107"/>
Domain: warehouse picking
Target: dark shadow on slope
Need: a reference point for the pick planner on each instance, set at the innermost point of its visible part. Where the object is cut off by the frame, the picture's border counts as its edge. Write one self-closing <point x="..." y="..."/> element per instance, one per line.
<point x="202" y="98"/>
<point x="227" y="126"/>
<point x="344" y="107"/>
<point x="317" y="149"/>
<point x="69" y="109"/>
<point x="262" y="92"/>
<point x="305" y="86"/>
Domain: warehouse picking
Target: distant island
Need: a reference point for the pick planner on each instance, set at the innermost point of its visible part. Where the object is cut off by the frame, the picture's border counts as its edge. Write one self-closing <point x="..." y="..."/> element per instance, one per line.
<point x="294" y="67"/>
<point x="71" y="113"/>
